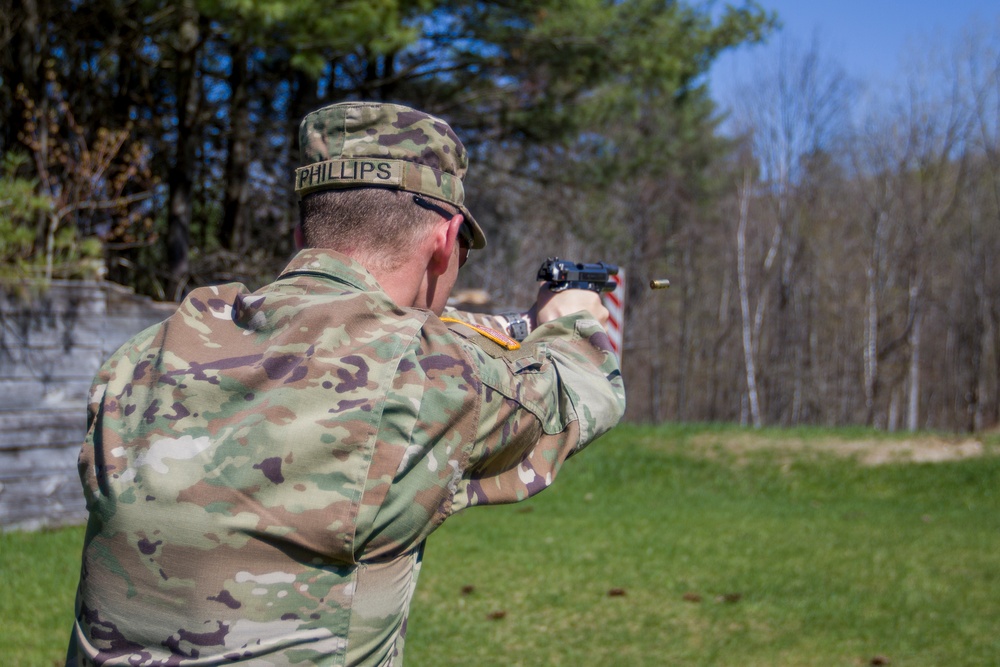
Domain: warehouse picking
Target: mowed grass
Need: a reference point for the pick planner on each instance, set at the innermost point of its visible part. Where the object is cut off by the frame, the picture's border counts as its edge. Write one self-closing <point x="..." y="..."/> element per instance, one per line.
<point x="671" y="546"/>
<point x="38" y="576"/>
<point x="676" y="545"/>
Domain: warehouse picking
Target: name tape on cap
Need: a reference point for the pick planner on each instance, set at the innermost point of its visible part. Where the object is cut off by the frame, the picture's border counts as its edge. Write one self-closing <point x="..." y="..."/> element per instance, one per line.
<point x="349" y="172"/>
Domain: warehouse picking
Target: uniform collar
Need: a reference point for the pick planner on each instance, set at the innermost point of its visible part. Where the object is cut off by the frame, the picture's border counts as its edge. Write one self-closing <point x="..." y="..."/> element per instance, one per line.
<point x="332" y="264"/>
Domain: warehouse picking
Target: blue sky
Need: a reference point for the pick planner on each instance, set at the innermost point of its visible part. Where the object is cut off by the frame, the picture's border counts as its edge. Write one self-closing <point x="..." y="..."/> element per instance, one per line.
<point x="867" y="38"/>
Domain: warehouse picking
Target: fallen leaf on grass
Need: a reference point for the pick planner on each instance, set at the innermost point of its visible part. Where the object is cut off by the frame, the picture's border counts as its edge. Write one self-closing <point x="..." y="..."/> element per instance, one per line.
<point x="616" y="592"/>
<point x="692" y="597"/>
<point x="496" y="615"/>
<point x="730" y="597"/>
<point x="880" y="660"/>
<point x="468" y="589"/>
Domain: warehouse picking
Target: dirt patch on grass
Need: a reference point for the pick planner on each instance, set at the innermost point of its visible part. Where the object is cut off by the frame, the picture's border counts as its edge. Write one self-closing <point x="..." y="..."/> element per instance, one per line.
<point x="921" y="449"/>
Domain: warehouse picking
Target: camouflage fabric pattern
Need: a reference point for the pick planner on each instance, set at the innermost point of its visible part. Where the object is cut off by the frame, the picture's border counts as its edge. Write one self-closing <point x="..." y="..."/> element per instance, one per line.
<point x="355" y="144"/>
<point x="262" y="469"/>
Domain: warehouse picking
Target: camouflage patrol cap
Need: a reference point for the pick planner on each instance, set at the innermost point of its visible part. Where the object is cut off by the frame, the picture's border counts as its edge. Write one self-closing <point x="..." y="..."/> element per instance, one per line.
<point x="357" y="144"/>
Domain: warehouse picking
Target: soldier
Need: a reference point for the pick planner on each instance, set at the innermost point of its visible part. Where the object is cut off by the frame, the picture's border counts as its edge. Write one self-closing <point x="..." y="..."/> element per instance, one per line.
<point x="262" y="469"/>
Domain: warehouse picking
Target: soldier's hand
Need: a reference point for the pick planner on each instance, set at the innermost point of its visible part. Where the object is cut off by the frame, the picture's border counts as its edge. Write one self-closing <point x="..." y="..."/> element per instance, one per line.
<point x="553" y="305"/>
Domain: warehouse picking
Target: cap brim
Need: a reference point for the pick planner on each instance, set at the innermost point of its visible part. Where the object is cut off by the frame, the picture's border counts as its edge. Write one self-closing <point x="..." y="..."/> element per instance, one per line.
<point x="478" y="237"/>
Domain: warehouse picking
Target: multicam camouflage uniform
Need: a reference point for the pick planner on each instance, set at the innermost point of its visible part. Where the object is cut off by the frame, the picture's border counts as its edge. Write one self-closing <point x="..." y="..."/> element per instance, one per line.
<point x="262" y="469"/>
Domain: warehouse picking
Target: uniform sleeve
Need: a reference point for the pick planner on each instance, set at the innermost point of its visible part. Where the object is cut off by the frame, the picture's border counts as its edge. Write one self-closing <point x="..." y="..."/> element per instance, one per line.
<point x="90" y="464"/>
<point x="539" y="405"/>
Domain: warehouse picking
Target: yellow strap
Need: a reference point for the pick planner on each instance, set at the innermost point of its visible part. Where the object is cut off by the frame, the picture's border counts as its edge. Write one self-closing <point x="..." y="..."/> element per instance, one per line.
<point x="500" y="339"/>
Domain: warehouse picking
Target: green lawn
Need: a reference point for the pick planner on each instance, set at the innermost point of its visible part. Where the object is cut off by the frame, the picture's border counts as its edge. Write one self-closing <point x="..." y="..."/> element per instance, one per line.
<point x="38" y="572"/>
<point x="675" y="546"/>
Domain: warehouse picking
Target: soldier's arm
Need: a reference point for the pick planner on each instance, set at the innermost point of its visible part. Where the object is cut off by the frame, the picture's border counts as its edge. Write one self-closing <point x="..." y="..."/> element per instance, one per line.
<point x="541" y="403"/>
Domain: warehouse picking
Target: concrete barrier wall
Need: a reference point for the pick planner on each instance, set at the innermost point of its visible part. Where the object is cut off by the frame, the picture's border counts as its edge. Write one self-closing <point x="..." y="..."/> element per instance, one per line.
<point x="51" y="345"/>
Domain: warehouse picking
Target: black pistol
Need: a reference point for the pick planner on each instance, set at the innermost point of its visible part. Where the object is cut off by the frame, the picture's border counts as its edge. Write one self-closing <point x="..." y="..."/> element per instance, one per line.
<point x="563" y="274"/>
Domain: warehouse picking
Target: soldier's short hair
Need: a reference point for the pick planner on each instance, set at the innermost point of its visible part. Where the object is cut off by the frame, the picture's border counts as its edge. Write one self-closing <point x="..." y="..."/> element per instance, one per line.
<point x="379" y="224"/>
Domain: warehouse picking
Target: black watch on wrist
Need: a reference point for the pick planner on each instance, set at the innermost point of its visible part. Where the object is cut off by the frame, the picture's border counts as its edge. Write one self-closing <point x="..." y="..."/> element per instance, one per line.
<point x="517" y="325"/>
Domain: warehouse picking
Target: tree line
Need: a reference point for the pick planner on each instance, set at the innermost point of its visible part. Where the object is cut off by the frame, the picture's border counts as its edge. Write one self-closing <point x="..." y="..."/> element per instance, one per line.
<point x="830" y="265"/>
<point x="844" y="271"/>
<point x="177" y="121"/>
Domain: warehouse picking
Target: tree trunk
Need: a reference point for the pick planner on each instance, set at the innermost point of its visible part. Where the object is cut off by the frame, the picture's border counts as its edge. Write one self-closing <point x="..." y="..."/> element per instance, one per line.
<point x="180" y="179"/>
<point x="748" y="329"/>
<point x="26" y="60"/>
<point x="994" y="346"/>
<point x="913" y="408"/>
<point x="303" y="99"/>
<point x="237" y="161"/>
<point x="870" y="354"/>
<point x="684" y="348"/>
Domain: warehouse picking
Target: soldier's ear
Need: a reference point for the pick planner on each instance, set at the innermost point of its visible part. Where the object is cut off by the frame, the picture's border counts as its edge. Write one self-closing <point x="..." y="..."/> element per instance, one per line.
<point x="443" y="245"/>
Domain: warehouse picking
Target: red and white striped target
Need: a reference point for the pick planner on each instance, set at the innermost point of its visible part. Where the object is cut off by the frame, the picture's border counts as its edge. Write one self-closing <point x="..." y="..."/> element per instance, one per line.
<point x="615" y="303"/>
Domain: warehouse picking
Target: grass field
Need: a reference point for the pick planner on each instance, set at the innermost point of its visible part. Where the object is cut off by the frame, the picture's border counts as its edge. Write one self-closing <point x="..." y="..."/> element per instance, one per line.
<point x="680" y="545"/>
